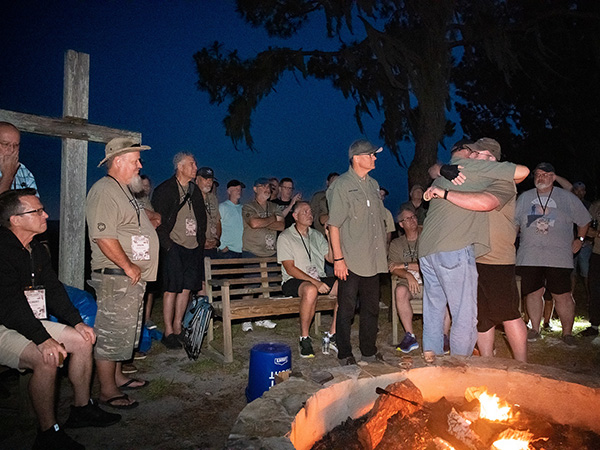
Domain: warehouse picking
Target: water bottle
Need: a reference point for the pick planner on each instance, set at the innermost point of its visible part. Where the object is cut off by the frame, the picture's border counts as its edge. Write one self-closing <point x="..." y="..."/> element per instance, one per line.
<point x="325" y="343"/>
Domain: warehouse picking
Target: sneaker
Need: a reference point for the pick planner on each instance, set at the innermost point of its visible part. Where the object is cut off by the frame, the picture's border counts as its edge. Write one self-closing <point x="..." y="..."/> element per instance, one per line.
<point x="247" y="326"/>
<point x="128" y="368"/>
<point x="533" y="335"/>
<point x="171" y="342"/>
<point x="590" y="331"/>
<point x="306" y="348"/>
<point x="150" y="325"/>
<point x="265" y="323"/>
<point x="90" y="415"/>
<point x="376" y="358"/>
<point x="140" y="355"/>
<point x="329" y="343"/>
<point x="446" y="344"/>
<point x="570" y="340"/>
<point x="55" y="439"/>
<point x="408" y="344"/>
<point x="349" y="361"/>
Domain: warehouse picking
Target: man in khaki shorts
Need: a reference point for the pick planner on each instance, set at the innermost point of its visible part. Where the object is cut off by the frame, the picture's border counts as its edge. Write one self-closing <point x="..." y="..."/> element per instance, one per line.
<point x="29" y="289"/>
<point x="124" y="257"/>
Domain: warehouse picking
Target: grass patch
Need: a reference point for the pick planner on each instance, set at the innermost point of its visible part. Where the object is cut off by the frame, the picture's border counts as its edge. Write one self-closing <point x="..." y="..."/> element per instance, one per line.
<point x="207" y="366"/>
<point x="161" y="387"/>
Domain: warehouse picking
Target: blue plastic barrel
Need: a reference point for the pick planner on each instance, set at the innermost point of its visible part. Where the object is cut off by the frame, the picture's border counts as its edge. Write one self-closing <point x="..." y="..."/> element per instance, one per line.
<point x="266" y="360"/>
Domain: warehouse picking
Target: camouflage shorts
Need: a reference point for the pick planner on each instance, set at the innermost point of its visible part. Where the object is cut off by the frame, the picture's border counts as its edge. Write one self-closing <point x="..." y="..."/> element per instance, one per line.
<point x="119" y="318"/>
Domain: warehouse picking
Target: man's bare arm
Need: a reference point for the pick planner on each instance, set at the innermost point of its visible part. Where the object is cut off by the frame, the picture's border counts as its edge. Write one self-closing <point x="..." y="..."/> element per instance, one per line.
<point x="473" y="201"/>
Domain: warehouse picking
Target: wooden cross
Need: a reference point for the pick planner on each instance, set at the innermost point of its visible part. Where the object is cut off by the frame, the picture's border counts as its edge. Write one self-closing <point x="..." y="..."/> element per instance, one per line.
<point x="75" y="132"/>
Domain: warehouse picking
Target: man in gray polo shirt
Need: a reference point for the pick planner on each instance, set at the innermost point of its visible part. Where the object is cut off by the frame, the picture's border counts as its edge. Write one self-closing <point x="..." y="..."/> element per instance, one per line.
<point x="358" y="239"/>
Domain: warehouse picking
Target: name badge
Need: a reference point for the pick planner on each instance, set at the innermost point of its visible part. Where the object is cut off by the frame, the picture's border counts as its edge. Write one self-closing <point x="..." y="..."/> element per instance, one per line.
<point x="190" y="227"/>
<point x="37" y="302"/>
<point x="140" y="248"/>
<point x="417" y="276"/>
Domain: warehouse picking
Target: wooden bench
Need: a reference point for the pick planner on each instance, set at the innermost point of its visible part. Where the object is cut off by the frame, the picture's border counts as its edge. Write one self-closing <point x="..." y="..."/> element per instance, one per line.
<point x="417" y="306"/>
<point x="228" y="280"/>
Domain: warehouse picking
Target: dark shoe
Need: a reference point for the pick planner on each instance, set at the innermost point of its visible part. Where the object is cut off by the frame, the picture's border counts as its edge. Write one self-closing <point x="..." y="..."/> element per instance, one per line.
<point x="90" y="415"/>
<point x="570" y="340"/>
<point x="306" y="348"/>
<point x="181" y="337"/>
<point x="140" y="355"/>
<point x="349" y="361"/>
<point x="55" y="439"/>
<point x="533" y="335"/>
<point x="171" y="342"/>
<point x="376" y="358"/>
<point x="590" y="331"/>
<point x="408" y="344"/>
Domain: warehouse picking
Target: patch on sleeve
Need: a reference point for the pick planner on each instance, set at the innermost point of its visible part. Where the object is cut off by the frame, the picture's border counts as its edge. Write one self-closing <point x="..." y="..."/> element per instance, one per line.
<point x="101" y="226"/>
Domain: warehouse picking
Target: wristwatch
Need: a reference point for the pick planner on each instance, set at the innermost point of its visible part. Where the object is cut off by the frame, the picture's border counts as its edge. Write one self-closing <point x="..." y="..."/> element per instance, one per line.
<point x="405" y="266"/>
<point x="581" y="238"/>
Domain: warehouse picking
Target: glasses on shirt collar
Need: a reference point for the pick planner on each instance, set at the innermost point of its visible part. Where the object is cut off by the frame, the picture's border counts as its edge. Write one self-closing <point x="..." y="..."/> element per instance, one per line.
<point x="38" y="211"/>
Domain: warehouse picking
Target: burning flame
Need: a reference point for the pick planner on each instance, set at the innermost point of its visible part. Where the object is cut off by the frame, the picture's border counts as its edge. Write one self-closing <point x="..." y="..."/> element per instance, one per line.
<point x="491" y="407"/>
<point x="513" y="440"/>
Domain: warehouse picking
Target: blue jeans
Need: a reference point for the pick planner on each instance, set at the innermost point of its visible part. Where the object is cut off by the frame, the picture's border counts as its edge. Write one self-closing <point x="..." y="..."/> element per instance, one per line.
<point x="450" y="278"/>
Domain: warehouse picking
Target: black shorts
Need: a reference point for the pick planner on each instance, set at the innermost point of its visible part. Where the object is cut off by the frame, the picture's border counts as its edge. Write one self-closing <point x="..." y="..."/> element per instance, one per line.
<point x="182" y="269"/>
<point x="497" y="295"/>
<point x="557" y="280"/>
<point x="291" y="286"/>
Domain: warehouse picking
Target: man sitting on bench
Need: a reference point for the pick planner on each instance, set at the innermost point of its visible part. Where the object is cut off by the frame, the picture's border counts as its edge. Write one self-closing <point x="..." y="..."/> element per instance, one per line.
<point x="301" y="251"/>
<point x="29" y="291"/>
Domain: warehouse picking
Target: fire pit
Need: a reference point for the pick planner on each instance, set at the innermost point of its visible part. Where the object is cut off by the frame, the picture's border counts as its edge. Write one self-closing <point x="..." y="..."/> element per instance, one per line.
<point x="299" y="412"/>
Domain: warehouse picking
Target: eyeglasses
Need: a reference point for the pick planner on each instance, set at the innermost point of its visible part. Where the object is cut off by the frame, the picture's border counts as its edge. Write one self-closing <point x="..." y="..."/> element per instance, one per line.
<point x="10" y="145"/>
<point x="413" y="217"/>
<point x="38" y="211"/>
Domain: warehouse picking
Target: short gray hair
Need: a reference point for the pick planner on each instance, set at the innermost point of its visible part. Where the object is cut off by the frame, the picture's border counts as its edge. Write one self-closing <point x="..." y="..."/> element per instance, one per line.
<point x="179" y="157"/>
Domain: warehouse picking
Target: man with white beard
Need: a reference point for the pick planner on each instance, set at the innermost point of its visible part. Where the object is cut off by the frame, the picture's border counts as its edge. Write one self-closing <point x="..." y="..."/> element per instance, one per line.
<point x="124" y="257"/>
<point x="545" y="216"/>
<point x="182" y="233"/>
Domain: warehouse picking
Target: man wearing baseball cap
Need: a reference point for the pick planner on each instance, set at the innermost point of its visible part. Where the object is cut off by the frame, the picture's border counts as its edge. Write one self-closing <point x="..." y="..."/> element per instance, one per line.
<point x="124" y="257"/>
<point x="497" y="294"/>
<point x="205" y="179"/>
<point x="358" y="239"/>
<point x="453" y="236"/>
<point x="545" y="216"/>
<point x="262" y="221"/>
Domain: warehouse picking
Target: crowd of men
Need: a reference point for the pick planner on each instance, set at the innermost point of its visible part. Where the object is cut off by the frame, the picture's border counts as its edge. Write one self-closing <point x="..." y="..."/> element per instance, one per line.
<point x="455" y="251"/>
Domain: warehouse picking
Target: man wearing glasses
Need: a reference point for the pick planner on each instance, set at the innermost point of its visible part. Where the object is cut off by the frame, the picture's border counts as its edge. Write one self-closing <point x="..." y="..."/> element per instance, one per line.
<point x="546" y="215"/>
<point x="13" y="174"/>
<point x="452" y="238"/>
<point x="497" y="294"/>
<point x="358" y="239"/>
<point x="29" y="291"/>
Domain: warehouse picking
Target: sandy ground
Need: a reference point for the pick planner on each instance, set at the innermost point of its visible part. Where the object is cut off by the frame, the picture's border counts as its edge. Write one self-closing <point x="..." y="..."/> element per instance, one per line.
<point x="194" y="404"/>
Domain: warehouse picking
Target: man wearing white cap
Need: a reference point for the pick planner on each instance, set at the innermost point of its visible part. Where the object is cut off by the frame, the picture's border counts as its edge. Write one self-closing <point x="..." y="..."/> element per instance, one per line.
<point x="124" y="257"/>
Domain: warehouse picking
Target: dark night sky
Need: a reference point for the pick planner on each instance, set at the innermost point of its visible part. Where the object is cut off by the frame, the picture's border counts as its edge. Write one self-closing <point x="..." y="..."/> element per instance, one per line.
<point x="142" y="78"/>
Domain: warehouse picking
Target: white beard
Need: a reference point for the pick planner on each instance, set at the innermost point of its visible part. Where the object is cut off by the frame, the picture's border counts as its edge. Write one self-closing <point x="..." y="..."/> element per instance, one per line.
<point x="136" y="184"/>
<point x="542" y="186"/>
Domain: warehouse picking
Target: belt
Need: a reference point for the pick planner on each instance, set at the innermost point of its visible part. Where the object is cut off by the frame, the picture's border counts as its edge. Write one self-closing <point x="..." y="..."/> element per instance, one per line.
<point x="110" y="271"/>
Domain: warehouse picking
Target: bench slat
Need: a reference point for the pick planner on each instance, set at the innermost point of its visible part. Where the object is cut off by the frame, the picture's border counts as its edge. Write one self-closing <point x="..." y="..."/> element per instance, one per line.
<point x="262" y="307"/>
<point x="240" y="270"/>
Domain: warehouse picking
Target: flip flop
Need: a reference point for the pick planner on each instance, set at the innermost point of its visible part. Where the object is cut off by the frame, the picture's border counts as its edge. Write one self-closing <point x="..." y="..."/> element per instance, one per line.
<point x="111" y="402"/>
<point x="127" y="386"/>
